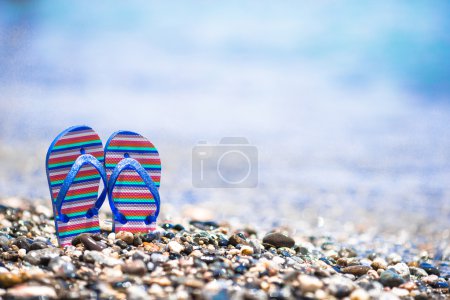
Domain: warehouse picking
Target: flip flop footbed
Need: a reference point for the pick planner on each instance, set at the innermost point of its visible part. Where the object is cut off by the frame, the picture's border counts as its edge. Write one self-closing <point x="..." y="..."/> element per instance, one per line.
<point x="131" y="196"/>
<point x="83" y="193"/>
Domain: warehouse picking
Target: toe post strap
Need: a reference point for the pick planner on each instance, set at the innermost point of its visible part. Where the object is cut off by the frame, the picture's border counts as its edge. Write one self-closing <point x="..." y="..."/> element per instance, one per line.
<point x="82" y="160"/>
<point x="132" y="164"/>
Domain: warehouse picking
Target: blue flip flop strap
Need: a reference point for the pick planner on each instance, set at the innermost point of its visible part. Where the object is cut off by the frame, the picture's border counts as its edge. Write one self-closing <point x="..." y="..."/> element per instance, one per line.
<point x="82" y="160"/>
<point x="132" y="164"/>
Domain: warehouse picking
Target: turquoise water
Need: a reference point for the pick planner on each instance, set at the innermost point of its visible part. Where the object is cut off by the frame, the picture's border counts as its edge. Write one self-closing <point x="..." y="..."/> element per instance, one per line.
<point x="347" y="102"/>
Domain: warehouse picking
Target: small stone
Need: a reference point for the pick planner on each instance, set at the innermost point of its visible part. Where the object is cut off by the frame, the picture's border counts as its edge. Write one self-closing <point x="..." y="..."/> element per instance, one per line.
<point x="175" y="247"/>
<point x="137" y="241"/>
<point x="31" y="291"/>
<point x="135" y="267"/>
<point x="90" y="244"/>
<point x="62" y="267"/>
<point x="379" y="263"/>
<point x="121" y="244"/>
<point x="309" y="283"/>
<point x="9" y="279"/>
<point x="400" y="292"/>
<point x="278" y="240"/>
<point x="22" y="253"/>
<point x="391" y="279"/>
<point x="429" y="268"/>
<point x="125" y="236"/>
<point x="237" y="239"/>
<point x="430" y="279"/>
<point x="42" y="256"/>
<point x="359" y="294"/>
<point x="38" y="245"/>
<point x="246" y="250"/>
<point x="402" y="269"/>
<point x="194" y="283"/>
<point x="22" y="243"/>
<point x="417" y="272"/>
<point x="358" y="270"/>
<point x="340" y="286"/>
<point x="99" y="257"/>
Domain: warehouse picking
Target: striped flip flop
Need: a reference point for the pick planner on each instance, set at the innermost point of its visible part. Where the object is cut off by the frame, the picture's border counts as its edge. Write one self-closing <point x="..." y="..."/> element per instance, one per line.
<point x="74" y="166"/>
<point x="133" y="169"/>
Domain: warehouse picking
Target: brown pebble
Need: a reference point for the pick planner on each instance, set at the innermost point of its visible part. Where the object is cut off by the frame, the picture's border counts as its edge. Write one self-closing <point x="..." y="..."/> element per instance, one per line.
<point x="356" y="270"/>
<point x="194" y="283"/>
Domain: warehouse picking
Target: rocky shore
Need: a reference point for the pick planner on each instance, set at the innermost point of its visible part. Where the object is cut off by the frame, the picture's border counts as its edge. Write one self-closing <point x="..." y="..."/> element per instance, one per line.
<point x="205" y="259"/>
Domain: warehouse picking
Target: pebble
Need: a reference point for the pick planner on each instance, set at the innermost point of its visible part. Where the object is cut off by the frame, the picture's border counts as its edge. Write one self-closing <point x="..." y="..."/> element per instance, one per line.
<point x="90" y="244"/>
<point x="175" y="247"/>
<point x="135" y="267"/>
<point x="340" y="286"/>
<point x="42" y="256"/>
<point x="356" y="270"/>
<point x="246" y="250"/>
<point x="31" y="291"/>
<point x="10" y="279"/>
<point x="379" y="263"/>
<point x="359" y="294"/>
<point x="403" y="270"/>
<point x="278" y="240"/>
<point x="38" y="245"/>
<point x="391" y="279"/>
<point x="237" y="239"/>
<point x="62" y="267"/>
<point x="429" y="268"/>
<point x="309" y="283"/>
<point x="125" y="236"/>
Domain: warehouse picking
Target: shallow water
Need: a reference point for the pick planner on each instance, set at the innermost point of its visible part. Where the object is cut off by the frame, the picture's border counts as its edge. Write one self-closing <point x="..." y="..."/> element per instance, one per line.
<point x="351" y="122"/>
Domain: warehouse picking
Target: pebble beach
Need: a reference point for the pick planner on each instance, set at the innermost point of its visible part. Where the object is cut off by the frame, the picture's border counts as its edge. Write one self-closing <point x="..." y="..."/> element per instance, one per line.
<point x="199" y="258"/>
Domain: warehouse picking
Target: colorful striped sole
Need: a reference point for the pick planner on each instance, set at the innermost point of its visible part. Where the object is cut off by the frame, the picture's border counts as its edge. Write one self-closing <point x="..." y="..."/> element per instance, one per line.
<point x="131" y="196"/>
<point x="83" y="193"/>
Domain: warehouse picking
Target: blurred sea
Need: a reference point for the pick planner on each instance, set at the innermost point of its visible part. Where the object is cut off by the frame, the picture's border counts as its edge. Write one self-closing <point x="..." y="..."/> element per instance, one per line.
<point x="347" y="102"/>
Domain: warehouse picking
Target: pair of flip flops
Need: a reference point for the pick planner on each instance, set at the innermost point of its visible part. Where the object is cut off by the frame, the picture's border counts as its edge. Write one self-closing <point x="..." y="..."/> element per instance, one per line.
<point x="129" y="167"/>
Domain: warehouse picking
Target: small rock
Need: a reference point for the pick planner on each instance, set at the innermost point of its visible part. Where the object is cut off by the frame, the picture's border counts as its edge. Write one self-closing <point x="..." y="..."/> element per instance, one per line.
<point x="429" y="268"/>
<point x="22" y="253"/>
<point x="31" y="291"/>
<point x="175" y="247"/>
<point x="135" y="267"/>
<point x="62" y="267"/>
<point x="38" y="245"/>
<point x="391" y="279"/>
<point x="42" y="256"/>
<point x="309" y="283"/>
<point x="278" y="240"/>
<point x="90" y="244"/>
<point x="402" y="269"/>
<point x="359" y="294"/>
<point x="194" y="283"/>
<point x="125" y="236"/>
<point x="137" y="241"/>
<point x="22" y="243"/>
<point x="417" y="272"/>
<point x="379" y="263"/>
<point x="400" y="292"/>
<point x="246" y="250"/>
<point x="430" y="279"/>
<point x="340" y="286"/>
<point x="358" y="270"/>
<point x="99" y="257"/>
<point x="237" y="239"/>
<point x="9" y="279"/>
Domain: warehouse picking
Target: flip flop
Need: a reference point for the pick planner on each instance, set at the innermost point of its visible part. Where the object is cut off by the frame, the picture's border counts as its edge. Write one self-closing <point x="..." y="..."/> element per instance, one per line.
<point x="74" y="165"/>
<point x="133" y="170"/>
